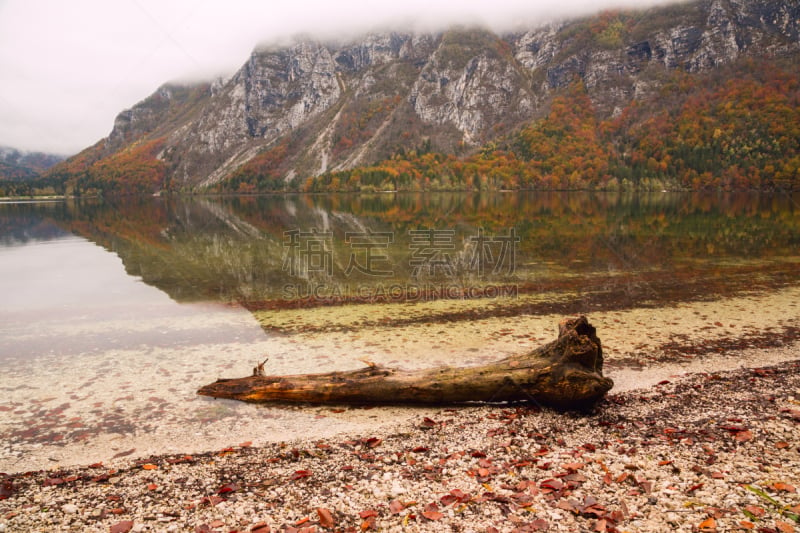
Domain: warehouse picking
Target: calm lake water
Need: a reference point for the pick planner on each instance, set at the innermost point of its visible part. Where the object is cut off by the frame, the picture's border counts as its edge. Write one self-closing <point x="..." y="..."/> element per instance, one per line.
<point x="114" y="313"/>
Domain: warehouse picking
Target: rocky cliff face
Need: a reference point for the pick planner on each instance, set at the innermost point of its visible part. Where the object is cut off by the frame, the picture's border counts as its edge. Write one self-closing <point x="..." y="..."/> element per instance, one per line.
<point x="330" y="106"/>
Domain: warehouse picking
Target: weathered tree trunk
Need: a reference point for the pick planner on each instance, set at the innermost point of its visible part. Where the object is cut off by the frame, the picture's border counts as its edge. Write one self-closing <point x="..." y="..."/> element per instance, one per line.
<point x="565" y="373"/>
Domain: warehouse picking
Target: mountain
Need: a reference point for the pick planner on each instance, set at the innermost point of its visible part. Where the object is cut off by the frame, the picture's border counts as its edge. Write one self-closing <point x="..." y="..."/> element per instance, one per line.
<point x="21" y="165"/>
<point x="689" y="95"/>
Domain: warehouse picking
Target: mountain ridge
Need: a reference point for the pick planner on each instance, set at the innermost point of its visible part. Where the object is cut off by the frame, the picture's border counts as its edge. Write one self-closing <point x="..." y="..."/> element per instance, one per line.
<point x="312" y="109"/>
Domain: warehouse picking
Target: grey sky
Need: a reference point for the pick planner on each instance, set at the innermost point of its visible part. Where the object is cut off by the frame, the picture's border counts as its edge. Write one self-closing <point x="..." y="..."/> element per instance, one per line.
<point x="67" y="68"/>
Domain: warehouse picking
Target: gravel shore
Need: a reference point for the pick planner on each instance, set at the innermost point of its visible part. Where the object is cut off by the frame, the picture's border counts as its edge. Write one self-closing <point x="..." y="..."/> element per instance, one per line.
<point x="702" y="452"/>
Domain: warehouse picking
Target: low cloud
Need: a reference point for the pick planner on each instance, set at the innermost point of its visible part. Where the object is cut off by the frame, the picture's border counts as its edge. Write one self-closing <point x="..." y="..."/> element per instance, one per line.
<point x="67" y="68"/>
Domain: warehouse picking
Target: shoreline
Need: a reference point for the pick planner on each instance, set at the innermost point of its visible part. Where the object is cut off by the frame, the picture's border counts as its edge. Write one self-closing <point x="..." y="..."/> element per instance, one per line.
<point x="700" y="452"/>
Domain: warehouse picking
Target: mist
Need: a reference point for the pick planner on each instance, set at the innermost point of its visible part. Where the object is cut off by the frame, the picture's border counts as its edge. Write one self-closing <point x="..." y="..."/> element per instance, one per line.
<point x="68" y="68"/>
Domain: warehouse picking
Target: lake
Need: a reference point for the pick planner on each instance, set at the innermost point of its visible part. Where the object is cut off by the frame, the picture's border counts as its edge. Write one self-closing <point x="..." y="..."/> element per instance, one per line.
<point x="114" y="313"/>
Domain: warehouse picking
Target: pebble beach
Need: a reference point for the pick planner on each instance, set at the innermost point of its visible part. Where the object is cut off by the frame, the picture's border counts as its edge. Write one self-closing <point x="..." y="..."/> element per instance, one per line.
<point x="696" y="452"/>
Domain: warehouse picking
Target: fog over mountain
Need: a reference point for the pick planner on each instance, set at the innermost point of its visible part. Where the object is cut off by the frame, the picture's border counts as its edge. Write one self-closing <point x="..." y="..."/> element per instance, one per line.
<point x="67" y="69"/>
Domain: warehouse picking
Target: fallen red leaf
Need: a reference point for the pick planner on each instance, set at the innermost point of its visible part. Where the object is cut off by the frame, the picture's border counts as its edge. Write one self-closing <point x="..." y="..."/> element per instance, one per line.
<point x="149" y="466"/>
<point x="152" y="486"/>
<point x="246" y="444"/>
<point x="122" y="527"/>
<point x="228" y="487"/>
<point x="694" y="488"/>
<point x="755" y="510"/>
<point x="785" y="487"/>
<point x="300" y="474"/>
<point x="368" y="513"/>
<point x="428" y="422"/>
<point x="448" y="499"/>
<point x="709" y="524"/>
<point x="784" y="527"/>
<point x="432" y="515"/>
<point x="396" y="506"/>
<point x="744" y="436"/>
<point x="552" y="484"/>
<point x="325" y="517"/>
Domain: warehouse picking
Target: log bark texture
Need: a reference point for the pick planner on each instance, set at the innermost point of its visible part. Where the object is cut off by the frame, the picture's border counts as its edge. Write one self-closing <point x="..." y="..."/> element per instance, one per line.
<point x="567" y="373"/>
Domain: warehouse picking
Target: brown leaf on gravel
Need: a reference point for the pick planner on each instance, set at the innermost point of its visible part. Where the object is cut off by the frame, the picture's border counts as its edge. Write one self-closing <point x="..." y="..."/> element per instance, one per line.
<point x="260" y="527"/>
<point x="431" y="512"/>
<point x="755" y="510"/>
<point x="372" y="442"/>
<point x="746" y="524"/>
<point x="325" y="517"/>
<point x="744" y="436"/>
<point x="432" y="515"/>
<point x="228" y="487"/>
<point x="709" y="524"/>
<point x="784" y="527"/>
<point x="300" y="474"/>
<point x="122" y="527"/>
<point x="396" y="506"/>
<point x="540" y="524"/>
<point x="369" y="513"/>
<point x="784" y="487"/>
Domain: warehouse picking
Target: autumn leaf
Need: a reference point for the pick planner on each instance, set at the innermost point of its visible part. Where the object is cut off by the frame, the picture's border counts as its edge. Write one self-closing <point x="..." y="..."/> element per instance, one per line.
<point x="325" y="517"/>
<point x="785" y="487"/>
<point x="709" y="524"/>
<point x="369" y="513"/>
<point x="300" y="474"/>
<point x="753" y="511"/>
<point x="260" y="527"/>
<point x="784" y="527"/>
<point x="122" y="527"/>
<point x="149" y="466"/>
<point x="552" y="484"/>
<point x="744" y="436"/>
<point x="228" y="487"/>
<point x="396" y="506"/>
<point x="432" y="515"/>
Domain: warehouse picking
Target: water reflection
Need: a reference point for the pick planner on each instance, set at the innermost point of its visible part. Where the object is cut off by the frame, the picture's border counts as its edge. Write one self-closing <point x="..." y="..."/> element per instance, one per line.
<point x="263" y="250"/>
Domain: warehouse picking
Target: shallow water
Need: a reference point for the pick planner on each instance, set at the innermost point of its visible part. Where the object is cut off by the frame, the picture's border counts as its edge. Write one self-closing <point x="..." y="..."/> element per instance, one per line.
<point x="114" y="315"/>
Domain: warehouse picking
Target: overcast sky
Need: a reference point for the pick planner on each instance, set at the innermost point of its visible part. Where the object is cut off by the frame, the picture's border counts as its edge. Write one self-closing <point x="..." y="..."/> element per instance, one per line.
<point x="68" y="67"/>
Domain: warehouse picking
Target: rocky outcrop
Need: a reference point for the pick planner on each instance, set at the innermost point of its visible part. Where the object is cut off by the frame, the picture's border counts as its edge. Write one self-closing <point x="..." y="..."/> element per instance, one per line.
<point x="329" y="105"/>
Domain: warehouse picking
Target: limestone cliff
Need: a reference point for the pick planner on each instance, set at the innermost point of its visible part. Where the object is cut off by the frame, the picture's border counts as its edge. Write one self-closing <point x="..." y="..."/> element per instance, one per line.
<point x="303" y="109"/>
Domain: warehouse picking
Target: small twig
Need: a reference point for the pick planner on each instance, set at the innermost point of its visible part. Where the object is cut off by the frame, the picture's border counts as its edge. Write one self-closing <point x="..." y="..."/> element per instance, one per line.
<point x="258" y="370"/>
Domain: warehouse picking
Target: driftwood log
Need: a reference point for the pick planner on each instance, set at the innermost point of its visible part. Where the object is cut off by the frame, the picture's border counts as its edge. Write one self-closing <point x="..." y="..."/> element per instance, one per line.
<point x="567" y="373"/>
